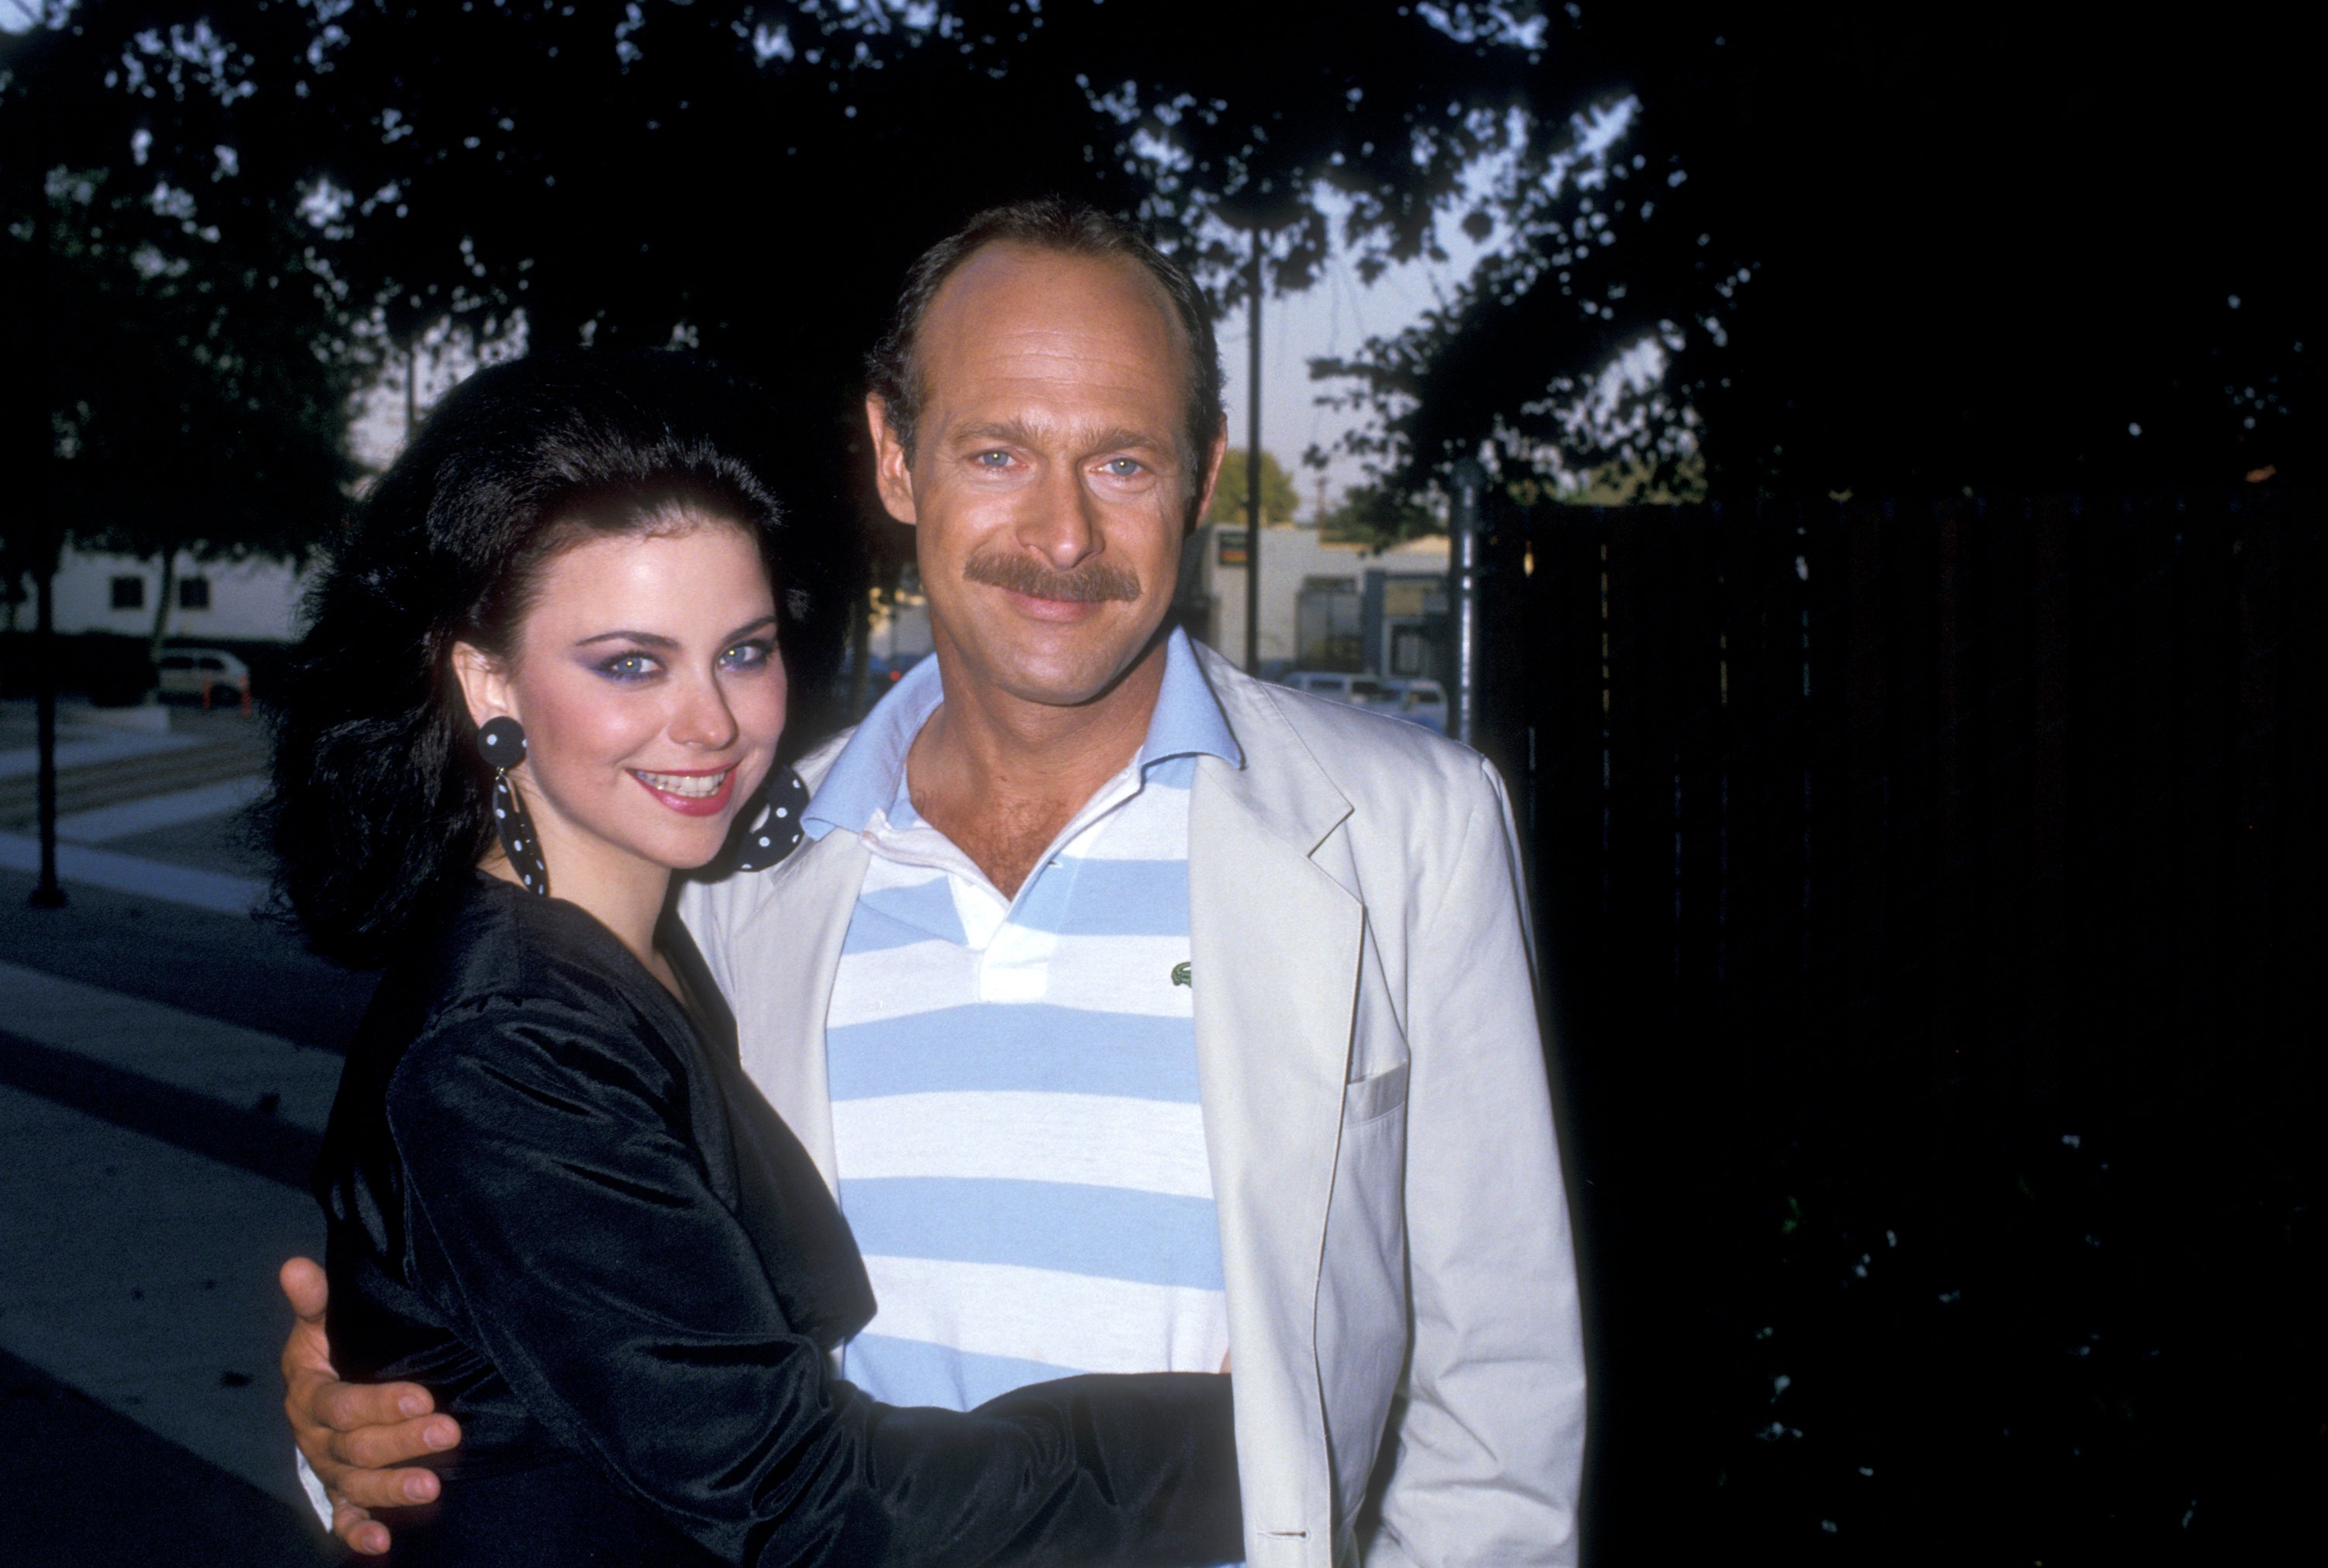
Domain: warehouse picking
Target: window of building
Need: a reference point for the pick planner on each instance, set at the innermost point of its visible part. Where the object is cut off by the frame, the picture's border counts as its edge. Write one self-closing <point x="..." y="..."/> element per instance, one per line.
<point x="194" y="593"/>
<point x="1414" y="651"/>
<point x="129" y="593"/>
<point x="1327" y="624"/>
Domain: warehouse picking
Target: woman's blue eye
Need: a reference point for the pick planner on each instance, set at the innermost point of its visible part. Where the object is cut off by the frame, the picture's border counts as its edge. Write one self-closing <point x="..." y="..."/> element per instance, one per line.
<point x="746" y="656"/>
<point x="628" y="667"/>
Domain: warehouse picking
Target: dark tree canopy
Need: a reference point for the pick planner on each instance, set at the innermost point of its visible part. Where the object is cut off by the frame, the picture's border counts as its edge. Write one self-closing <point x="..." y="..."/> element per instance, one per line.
<point x="1231" y="495"/>
<point x="753" y="179"/>
<point x="1898" y="251"/>
<point x="1884" y="250"/>
<point x="1378" y="518"/>
<point x="178" y="365"/>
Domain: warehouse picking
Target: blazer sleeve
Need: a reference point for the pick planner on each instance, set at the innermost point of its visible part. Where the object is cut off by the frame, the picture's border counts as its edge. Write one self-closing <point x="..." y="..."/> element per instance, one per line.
<point x="563" y="1221"/>
<point x="1488" y="1433"/>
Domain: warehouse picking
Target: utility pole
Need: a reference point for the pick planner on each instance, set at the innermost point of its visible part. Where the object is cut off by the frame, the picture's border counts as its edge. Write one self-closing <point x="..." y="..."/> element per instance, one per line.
<point x="1253" y="471"/>
<point x="36" y="495"/>
<point x="1466" y="481"/>
<point x="48" y="893"/>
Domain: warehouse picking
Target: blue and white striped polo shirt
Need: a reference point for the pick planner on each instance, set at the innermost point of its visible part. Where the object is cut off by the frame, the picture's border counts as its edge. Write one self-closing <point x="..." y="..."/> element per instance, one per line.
<point x="1016" y="1125"/>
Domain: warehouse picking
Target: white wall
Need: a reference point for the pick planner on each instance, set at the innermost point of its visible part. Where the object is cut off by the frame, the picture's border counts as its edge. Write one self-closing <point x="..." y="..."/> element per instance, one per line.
<point x="249" y="599"/>
<point x="1290" y="555"/>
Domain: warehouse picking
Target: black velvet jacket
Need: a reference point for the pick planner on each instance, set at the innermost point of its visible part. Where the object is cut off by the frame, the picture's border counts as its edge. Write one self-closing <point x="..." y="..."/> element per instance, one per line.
<point x="556" y="1201"/>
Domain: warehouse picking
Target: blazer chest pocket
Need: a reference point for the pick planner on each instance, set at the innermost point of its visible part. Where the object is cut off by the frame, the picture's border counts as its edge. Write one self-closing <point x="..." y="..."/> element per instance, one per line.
<point x="1365" y="1099"/>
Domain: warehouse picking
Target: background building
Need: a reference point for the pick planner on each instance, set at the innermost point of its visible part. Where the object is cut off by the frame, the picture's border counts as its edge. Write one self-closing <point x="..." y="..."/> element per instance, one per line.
<point x="244" y="601"/>
<point x="1324" y="606"/>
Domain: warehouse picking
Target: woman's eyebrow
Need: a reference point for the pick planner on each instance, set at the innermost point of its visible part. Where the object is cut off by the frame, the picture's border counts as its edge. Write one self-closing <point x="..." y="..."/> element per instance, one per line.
<point x="657" y="640"/>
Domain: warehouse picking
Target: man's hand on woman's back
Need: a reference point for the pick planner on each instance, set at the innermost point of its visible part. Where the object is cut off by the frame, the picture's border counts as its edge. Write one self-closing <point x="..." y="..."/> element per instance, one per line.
<point x="353" y="1434"/>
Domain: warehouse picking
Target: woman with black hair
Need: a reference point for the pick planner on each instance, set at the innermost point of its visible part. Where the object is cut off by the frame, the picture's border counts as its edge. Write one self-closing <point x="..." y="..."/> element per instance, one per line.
<point x="543" y="676"/>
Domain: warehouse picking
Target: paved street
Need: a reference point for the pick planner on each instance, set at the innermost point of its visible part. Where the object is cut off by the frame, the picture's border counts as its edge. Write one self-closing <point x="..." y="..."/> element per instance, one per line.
<point x="166" y="1062"/>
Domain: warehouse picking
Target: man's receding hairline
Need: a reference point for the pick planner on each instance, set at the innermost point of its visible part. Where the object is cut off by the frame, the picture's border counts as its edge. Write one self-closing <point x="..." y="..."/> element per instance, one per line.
<point x="1184" y="341"/>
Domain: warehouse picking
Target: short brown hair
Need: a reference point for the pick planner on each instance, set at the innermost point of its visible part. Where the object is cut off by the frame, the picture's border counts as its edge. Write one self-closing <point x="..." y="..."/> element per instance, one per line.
<point x="1071" y="229"/>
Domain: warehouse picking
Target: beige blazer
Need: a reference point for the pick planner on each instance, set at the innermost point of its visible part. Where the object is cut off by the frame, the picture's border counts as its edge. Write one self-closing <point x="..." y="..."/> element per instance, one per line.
<point x="1401" y="1298"/>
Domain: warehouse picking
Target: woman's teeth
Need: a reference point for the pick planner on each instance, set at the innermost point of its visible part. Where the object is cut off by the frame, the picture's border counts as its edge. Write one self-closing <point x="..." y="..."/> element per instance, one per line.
<point x="687" y="787"/>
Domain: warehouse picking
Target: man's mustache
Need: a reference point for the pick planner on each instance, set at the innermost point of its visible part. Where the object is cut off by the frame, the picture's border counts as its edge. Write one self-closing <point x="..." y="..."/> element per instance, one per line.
<point x="1094" y="582"/>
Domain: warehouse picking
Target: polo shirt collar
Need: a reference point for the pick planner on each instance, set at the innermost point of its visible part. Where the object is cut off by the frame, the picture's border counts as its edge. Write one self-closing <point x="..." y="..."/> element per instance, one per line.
<point x="1187" y="720"/>
<point x="870" y="770"/>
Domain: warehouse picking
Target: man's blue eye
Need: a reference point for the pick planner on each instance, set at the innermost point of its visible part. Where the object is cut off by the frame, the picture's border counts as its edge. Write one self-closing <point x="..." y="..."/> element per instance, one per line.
<point x="1122" y="467"/>
<point x="991" y="459"/>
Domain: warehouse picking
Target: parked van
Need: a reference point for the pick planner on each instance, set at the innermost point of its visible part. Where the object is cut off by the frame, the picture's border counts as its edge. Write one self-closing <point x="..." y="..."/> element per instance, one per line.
<point x="1361" y="690"/>
<point x="1418" y="701"/>
<point x="1422" y="702"/>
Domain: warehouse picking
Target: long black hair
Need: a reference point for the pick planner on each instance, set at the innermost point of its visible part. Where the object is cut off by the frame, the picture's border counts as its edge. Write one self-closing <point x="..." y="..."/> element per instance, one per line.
<point x="380" y="801"/>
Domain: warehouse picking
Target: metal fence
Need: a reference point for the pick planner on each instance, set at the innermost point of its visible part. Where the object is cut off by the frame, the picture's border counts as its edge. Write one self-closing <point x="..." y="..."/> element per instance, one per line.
<point x="1930" y="905"/>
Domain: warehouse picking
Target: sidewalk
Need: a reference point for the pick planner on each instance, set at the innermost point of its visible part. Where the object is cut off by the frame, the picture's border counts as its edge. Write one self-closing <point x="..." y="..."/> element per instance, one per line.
<point x="87" y="735"/>
<point x="166" y="1064"/>
<point x="155" y="1164"/>
<point x="107" y="761"/>
<point x="156" y="813"/>
<point x="81" y="1486"/>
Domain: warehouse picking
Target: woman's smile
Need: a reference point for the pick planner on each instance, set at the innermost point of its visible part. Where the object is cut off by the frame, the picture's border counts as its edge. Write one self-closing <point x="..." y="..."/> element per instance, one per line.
<point x="695" y="791"/>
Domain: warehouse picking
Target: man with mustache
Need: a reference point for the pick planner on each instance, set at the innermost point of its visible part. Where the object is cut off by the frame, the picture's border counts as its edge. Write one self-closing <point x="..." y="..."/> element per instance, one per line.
<point x="1092" y="583"/>
<point x="1142" y="1015"/>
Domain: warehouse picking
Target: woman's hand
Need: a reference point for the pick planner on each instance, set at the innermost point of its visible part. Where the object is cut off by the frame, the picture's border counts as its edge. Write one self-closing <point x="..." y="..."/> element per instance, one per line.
<point x="351" y="1433"/>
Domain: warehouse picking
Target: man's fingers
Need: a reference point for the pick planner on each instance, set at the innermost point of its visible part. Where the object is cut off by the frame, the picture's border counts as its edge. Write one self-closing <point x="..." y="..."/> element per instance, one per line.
<point x="351" y="1433"/>
<point x="383" y="1489"/>
<point x="306" y="1286"/>
<point x="359" y="1530"/>
<point x="345" y="1428"/>
<point x="308" y="1352"/>
<point x="376" y="1448"/>
<point x="348" y="1406"/>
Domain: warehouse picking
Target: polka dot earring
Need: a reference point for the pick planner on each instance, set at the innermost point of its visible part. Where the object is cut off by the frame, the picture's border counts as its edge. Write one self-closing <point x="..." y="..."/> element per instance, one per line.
<point x="501" y="743"/>
<point x="773" y="830"/>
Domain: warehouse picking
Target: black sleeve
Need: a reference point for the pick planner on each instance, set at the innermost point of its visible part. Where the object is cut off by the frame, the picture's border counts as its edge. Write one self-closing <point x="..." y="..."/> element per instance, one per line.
<point x="565" y="1223"/>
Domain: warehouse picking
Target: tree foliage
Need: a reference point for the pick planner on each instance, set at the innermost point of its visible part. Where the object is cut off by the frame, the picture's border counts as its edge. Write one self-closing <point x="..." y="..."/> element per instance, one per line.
<point x="182" y="347"/>
<point x="1378" y="517"/>
<point x="1231" y="497"/>
<point x="753" y="179"/>
<point x="1874" y="249"/>
<point x="1891" y="250"/>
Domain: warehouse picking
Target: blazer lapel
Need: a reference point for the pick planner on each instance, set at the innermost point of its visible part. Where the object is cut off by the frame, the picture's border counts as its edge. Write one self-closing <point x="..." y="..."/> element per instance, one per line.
<point x="1274" y="948"/>
<point x="785" y="961"/>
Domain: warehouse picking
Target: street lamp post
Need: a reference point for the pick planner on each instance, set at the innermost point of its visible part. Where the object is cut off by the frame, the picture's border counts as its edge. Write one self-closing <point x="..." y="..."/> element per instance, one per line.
<point x="29" y="419"/>
<point x="1467" y="480"/>
<point x="48" y="893"/>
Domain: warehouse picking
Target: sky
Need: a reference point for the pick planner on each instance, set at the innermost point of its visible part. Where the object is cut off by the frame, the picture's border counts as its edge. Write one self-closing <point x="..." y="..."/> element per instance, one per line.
<point x="1333" y="318"/>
